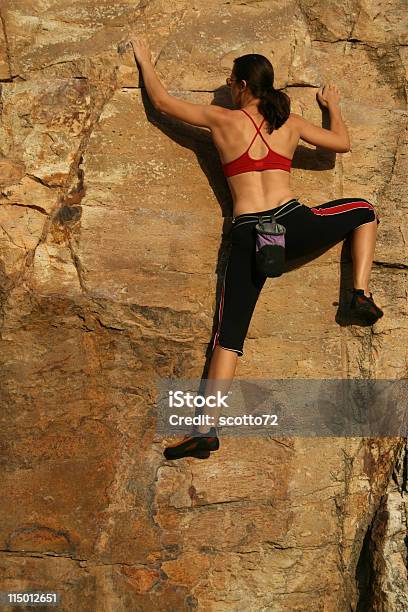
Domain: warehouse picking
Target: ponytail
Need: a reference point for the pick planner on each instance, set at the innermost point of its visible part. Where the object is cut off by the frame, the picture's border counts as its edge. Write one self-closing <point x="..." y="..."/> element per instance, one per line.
<point x="258" y="73"/>
<point x="275" y="107"/>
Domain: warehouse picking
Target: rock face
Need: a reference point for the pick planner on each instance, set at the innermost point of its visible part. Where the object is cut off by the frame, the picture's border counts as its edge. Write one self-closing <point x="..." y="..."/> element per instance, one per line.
<point x="99" y="297"/>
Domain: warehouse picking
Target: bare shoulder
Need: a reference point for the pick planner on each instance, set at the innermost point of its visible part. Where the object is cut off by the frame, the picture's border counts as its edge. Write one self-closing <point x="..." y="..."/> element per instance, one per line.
<point x="295" y="119"/>
<point x="319" y="136"/>
<point x="229" y="113"/>
<point x="225" y="118"/>
<point x="221" y="111"/>
<point x="220" y="116"/>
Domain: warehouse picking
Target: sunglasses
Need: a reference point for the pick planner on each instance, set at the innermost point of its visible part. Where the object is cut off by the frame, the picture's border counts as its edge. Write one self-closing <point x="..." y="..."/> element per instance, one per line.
<point x="228" y="81"/>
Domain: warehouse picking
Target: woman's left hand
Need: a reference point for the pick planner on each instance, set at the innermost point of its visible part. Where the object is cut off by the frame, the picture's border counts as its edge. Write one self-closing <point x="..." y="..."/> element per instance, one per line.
<point x="141" y="49"/>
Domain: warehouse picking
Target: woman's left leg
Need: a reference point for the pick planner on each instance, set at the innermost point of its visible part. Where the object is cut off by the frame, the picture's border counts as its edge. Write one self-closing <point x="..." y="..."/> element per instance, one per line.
<point x="242" y="285"/>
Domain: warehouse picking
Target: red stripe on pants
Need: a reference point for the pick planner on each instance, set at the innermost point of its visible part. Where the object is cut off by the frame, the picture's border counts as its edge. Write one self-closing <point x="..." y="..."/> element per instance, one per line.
<point x="339" y="208"/>
<point x="219" y="315"/>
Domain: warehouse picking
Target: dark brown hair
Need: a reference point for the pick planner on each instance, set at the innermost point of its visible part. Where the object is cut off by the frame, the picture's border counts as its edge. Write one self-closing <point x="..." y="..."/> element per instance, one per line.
<point x="258" y="72"/>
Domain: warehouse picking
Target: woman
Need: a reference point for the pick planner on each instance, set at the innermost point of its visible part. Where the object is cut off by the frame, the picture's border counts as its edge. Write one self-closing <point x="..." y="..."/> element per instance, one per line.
<point x="256" y="144"/>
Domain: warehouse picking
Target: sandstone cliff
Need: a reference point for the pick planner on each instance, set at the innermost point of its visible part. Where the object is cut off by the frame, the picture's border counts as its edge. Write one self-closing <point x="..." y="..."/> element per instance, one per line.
<point x="99" y="296"/>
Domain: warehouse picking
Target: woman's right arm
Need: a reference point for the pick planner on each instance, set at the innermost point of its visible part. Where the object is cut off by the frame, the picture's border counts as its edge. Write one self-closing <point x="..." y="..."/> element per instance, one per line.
<point x="334" y="139"/>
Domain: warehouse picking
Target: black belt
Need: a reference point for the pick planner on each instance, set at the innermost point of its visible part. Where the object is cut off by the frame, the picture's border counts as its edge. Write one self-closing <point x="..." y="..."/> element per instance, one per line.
<point x="256" y="217"/>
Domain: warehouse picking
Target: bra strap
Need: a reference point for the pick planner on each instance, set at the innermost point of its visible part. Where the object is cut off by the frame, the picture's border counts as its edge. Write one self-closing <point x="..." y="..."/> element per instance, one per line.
<point x="258" y="130"/>
<point x="253" y="121"/>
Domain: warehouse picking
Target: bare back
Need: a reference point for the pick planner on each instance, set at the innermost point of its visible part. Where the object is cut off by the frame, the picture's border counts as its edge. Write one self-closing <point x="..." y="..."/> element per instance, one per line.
<point x="255" y="191"/>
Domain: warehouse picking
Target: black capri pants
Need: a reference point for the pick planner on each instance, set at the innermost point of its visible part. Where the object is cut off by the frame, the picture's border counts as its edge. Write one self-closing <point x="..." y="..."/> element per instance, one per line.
<point x="308" y="229"/>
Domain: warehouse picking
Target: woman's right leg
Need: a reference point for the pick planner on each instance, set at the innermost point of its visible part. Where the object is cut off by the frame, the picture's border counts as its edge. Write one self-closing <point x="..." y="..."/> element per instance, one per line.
<point x="312" y="228"/>
<point x="363" y="241"/>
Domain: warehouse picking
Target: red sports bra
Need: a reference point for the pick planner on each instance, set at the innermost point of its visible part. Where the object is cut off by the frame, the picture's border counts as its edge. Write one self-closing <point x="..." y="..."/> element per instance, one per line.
<point x="245" y="163"/>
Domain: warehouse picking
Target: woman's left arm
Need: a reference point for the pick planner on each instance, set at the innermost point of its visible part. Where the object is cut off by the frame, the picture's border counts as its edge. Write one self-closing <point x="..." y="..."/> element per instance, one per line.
<point x="201" y="115"/>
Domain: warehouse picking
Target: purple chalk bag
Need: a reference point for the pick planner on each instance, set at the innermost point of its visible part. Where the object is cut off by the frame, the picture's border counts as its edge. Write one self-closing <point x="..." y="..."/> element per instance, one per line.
<point x="270" y="246"/>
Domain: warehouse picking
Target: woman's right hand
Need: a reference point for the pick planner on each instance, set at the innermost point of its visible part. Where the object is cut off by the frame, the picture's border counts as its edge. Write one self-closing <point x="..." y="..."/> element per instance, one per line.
<point x="328" y="95"/>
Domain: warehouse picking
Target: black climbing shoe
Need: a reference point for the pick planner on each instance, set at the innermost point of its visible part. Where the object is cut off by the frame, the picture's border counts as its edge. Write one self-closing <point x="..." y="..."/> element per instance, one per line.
<point x="198" y="446"/>
<point x="364" y="307"/>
